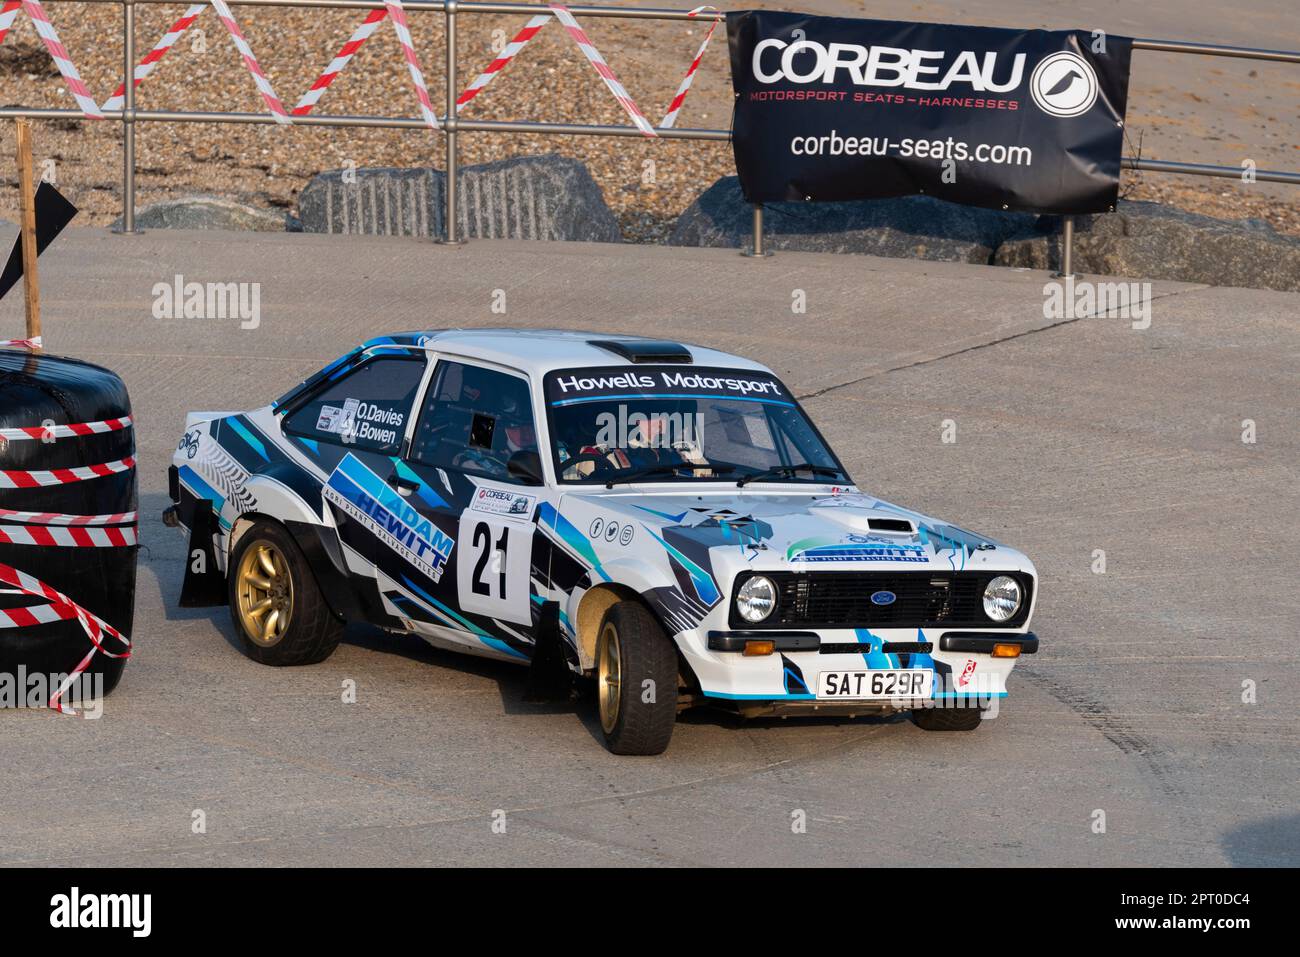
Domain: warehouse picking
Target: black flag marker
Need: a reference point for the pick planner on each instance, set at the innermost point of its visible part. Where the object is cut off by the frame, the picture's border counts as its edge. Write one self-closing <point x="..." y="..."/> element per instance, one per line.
<point x="53" y="212"/>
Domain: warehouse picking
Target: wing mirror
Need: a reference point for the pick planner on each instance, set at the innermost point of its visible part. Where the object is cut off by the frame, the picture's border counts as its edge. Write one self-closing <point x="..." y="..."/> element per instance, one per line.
<point x="526" y="465"/>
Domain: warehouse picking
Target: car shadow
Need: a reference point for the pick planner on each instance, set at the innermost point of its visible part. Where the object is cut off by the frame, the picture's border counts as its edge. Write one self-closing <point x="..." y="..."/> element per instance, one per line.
<point x="513" y="686"/>
<point x="512" y="680"/>
<point x="707" y="715"/>
<point x="163" y="553"/>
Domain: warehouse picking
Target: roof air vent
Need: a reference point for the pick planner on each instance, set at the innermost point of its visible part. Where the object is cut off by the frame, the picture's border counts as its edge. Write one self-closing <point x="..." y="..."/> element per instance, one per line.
<point x="644" y="350"/>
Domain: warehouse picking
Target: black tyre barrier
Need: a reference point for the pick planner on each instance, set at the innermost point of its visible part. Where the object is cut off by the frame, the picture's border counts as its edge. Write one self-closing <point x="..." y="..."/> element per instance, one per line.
<point x="73" y="531"/>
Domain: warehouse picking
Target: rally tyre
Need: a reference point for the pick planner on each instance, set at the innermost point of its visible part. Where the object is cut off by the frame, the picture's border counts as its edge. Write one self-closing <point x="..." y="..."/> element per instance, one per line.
<point x="947" y="719"/>
<point x="280" y="615"/>
<point x="631" y="650"/>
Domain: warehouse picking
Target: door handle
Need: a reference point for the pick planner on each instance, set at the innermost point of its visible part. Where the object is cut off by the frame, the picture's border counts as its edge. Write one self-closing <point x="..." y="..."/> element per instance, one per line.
<point x="403" y="485"/>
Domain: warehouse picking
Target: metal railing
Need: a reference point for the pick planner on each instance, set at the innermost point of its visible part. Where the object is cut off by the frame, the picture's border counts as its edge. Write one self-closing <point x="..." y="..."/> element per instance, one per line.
<point x="452" y="125"/>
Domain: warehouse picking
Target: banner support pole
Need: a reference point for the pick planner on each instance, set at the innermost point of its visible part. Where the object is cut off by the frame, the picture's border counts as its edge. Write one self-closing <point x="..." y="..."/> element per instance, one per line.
<point x="1067" y="249"/>
<point x="756" y="251"/>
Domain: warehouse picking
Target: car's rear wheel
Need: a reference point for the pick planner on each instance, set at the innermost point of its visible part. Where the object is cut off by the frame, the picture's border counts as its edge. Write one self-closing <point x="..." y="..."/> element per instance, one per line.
<point x="947" y="719"/>
<point x="280" y="615"/>
<point x="636" y="681"/>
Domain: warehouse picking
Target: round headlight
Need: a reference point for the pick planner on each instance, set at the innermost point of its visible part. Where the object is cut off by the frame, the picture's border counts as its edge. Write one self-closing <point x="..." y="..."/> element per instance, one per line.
<point x="1002" y="598"/>
<point x="756" y="598"/>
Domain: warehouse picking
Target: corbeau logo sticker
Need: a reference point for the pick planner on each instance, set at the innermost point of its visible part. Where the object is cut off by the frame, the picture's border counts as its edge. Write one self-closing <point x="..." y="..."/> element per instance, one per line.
<point x="365" y="497"/>
<point x="496" y="501"/>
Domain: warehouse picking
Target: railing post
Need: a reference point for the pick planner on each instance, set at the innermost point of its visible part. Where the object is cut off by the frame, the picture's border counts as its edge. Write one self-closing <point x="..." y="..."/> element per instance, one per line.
<point x="756" y="250"/>
<point x="128" y="119"/>
<point x="1067" y="248"/>
<point x="451" y="233"/>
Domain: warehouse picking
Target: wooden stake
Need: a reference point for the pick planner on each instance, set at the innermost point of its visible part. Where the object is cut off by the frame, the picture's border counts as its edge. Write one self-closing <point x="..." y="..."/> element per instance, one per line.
<point x="27" y="194"/>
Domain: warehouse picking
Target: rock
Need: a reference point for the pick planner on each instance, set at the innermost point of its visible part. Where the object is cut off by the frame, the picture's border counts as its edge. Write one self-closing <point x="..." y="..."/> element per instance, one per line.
<point x="905" y="227"/>
<point x="1151" y="241"/>
<point x="383" y="201"/>
<point x="210" y="212"/>
<point x="529" y="197"/>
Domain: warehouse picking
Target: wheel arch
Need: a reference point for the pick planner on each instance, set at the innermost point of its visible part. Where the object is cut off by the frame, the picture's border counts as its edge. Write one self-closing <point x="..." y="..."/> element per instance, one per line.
<point x="596" y="602"/>
<point x="319" y="547"/>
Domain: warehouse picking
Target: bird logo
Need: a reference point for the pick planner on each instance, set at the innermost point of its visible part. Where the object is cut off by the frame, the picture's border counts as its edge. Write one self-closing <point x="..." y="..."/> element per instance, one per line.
<point x="1064" y="84"/>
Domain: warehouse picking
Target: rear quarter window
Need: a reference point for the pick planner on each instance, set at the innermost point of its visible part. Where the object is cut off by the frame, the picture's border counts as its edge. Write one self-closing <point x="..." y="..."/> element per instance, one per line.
<point x="367" y="408"/>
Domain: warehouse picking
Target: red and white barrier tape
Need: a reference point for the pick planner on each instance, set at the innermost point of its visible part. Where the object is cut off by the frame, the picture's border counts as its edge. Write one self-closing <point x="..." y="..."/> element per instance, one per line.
<point x="8" y="14"/>
<point x="168" y="40"/>
<point x="596" y="60"/>
<point x="508" y="53"/>
<point x="45" y="30"/>
<point x="589" y="50"/>
<point x="56" y="530"/>
<point x="675" y="106"/>
<point x="259" y="78"/>
<point x="398" y="14"/>
<point x="47" y="536"/>
<point x="94" y="627"/>
<point x="34" y="615"/>
<point x="145" y="66"/>
<point x="393" y="9"/>
<point x="58" y="518"/>
<point x="22" y="343"/>
<point x="46" y="433"/>
<point x="16" y="478"/>
<point x="346" y="52"/>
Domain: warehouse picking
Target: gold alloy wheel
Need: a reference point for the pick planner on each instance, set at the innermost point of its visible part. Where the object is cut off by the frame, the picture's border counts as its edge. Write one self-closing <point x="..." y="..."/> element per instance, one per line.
<point x="264" y="589"/>
<point x="610" y="677"/>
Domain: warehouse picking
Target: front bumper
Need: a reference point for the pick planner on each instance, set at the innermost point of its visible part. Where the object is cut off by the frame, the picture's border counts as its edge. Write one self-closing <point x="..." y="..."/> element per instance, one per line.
<point x="965" y="668"/>
<point x="971" y="641"/>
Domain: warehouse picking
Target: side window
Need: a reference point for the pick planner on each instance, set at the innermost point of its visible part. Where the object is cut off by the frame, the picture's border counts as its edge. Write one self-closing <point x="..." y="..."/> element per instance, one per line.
<point x="475" y="419"/>
<point x="367" y="408"/>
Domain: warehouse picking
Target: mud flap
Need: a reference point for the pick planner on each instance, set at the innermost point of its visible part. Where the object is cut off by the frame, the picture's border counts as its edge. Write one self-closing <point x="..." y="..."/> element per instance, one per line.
<point x="549" y="678"/>
<point x="205" y="585"/>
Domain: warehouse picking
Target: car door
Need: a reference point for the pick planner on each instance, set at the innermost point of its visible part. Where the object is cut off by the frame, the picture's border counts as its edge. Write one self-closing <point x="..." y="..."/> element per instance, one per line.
<point x="352" y="429"/>
<point x="475" y="418"/>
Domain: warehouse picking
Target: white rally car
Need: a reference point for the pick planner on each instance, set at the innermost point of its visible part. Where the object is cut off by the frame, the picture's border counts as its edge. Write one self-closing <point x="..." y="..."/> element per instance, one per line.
<point x="662" y="518"/>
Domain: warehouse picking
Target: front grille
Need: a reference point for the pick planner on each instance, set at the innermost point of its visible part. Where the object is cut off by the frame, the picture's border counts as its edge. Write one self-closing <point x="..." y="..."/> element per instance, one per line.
<point x="888" y="647"/>
<point x="922" y="599"/>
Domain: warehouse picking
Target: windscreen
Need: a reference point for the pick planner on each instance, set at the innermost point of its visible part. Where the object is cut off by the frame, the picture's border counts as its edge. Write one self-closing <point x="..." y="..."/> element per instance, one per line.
<point x="679" y="423"/>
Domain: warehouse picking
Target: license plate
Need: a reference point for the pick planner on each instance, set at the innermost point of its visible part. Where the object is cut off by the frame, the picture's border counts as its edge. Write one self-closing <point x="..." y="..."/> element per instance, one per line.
<point x="852" y="685"/>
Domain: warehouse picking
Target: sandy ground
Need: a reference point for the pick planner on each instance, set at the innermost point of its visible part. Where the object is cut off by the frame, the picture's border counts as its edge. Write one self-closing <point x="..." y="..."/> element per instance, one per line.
<point x="1211" y="110"/>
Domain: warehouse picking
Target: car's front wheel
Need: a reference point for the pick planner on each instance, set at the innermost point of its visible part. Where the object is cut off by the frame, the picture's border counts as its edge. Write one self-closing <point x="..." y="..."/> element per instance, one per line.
<point x="280" y="615"/>
<point x="636" y="681"/>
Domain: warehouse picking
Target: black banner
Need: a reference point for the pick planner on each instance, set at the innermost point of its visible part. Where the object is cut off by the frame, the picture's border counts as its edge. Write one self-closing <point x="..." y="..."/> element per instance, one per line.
<point x="830" y="108"/>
